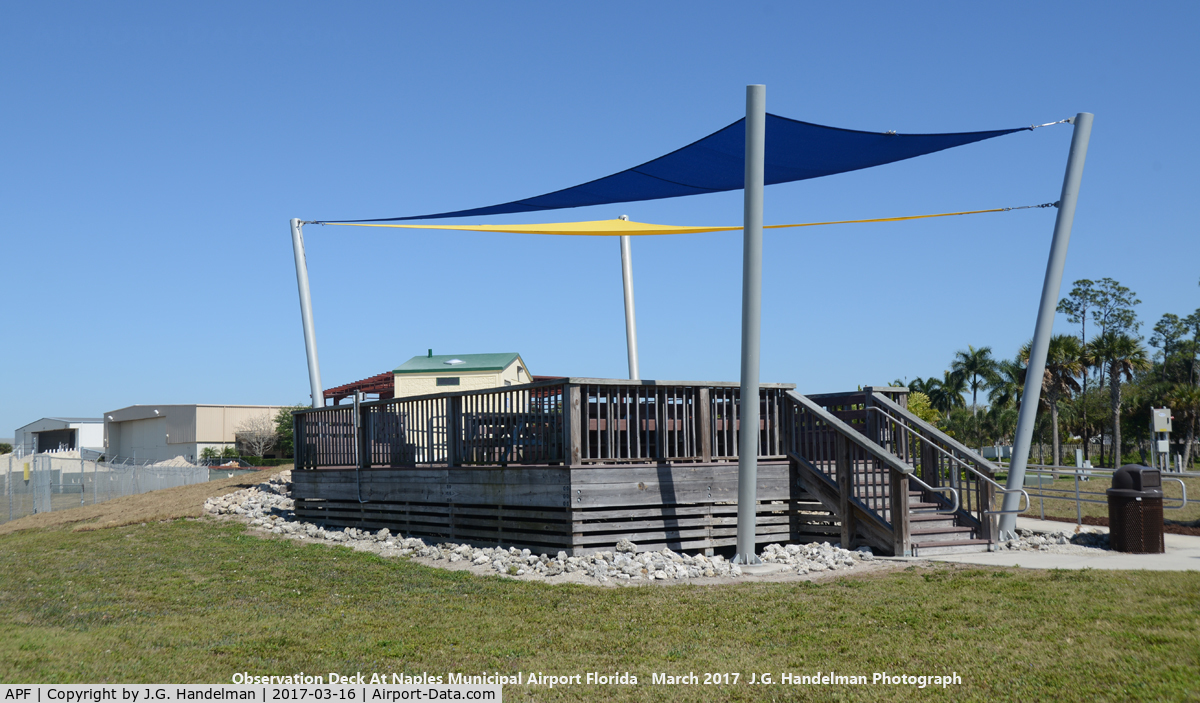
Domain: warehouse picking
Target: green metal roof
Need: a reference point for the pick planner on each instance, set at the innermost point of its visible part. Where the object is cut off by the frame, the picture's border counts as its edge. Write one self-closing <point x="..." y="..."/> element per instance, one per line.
<point x="471" y="362"/>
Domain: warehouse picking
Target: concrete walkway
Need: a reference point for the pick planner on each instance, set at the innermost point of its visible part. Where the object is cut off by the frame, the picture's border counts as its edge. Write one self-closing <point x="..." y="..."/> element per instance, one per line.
<point x="1183" y="553"/>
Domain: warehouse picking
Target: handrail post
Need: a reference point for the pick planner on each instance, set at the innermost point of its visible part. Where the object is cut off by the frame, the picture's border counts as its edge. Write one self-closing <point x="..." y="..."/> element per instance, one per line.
<point x="298" y="441"/>
<point x="985" y="503"/>
<point x="901" y="544"/>
<point x="1044" y="327"/>
<point x="929" y="472"/>
<point x="365" y="435"/>
<point x="572" y="424"/>
<point x="704" y="423"/>
<point x="357" y="426"/>
<point x="845" y="481"/>
<point x="454" y="426"/>
<point x="870" y="425"/>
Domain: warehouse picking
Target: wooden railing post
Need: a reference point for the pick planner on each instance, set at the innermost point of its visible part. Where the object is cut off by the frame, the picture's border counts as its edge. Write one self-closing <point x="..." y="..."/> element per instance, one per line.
<point x="364" y="438"/>
<point x="704" y="424"/>
<point x="988" y="523"/>
<point x="299" y="441"/>
<point x="872" y="423"/>
<point x="454" y="424"/>
<point x="572" y="425"/>
<point x="845" y="481"/>
<point x="929" y="461"/>
<point x="901" y="545"/>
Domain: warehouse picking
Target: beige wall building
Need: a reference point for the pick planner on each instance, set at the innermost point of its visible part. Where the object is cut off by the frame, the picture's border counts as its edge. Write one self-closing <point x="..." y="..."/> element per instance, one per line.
<point x="163" y="432"/>
<point x="422" y="375"/>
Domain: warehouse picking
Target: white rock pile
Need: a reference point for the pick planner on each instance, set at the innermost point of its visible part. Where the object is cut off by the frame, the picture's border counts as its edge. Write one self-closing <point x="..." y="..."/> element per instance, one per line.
<point x="268" y="507"/>
<point x="814" y="558"/>
<point x="1062" y="542"/>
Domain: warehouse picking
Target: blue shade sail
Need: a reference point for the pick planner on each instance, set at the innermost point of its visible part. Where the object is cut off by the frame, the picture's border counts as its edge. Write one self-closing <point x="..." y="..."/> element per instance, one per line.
<point x="796" y="151"/>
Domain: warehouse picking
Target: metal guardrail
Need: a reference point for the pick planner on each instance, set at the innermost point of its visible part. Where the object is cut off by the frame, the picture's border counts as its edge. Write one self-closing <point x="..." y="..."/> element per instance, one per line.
<point x="1082" y="474"/>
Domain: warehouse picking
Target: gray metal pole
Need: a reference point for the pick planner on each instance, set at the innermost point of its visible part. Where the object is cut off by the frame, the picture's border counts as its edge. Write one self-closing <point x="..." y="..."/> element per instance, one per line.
<point x="1045" y="319"/>
<point x="306" y="316"/>
<point x="630" y="319"/>
<point x="756" y="128"/>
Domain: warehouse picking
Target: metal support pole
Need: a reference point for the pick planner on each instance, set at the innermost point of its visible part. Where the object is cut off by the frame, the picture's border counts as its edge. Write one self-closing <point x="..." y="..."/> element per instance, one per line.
<point x="1045" y="320"/>
<point x="756" y="128"/>
<point x="306" y="316"/>
<point x="630" y="319"/>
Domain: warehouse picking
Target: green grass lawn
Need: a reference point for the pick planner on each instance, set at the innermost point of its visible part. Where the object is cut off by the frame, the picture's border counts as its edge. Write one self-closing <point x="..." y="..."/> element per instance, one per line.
<point x="196" y="600"/>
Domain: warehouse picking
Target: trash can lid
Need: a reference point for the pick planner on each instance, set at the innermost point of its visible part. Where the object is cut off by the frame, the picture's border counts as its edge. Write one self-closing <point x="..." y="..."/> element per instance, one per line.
<point x="1141" y="480"/>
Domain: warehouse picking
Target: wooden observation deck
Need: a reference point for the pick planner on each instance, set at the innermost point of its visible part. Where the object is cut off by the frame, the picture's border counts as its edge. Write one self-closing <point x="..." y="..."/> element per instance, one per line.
<point x="577" y="464"/>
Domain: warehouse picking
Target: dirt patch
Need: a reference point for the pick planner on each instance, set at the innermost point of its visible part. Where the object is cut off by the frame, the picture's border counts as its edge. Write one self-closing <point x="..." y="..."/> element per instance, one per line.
<point x="167" y="504"/>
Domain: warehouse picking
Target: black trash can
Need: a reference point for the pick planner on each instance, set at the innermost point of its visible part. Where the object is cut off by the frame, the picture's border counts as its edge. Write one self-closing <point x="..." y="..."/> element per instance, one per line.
<point x="1135" y="510"/>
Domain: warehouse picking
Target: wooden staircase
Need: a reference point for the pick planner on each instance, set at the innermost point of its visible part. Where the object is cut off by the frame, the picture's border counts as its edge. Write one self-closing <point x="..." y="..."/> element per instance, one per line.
<point x="858" y="452"/>
<point x="934" y="534"/>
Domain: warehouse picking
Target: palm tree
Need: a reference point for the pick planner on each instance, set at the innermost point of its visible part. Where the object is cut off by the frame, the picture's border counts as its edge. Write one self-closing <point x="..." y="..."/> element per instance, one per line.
<point x="1185" y="402"/>
<point x="1063" y="363"/>
<point x="1001" y="421"/>
<point x="1008" y="384"/>
<point x="947" y="393"/>
<point x="1122" y="355"/>
<point x="978" y="368"/>
<point x="920" y="385"/>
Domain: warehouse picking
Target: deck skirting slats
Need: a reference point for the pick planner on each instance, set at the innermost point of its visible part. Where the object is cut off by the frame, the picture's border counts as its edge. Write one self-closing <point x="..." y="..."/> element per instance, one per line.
<point x="578" y="509"/>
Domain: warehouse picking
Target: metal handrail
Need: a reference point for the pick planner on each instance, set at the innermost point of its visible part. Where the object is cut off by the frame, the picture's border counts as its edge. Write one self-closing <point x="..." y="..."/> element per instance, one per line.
<point x="967" y="466"/>
<point x="1078" y="472"/>
<point x="1182" y="487"/>
<point x="952" y="489"/>
<point x="1059" y="468"/>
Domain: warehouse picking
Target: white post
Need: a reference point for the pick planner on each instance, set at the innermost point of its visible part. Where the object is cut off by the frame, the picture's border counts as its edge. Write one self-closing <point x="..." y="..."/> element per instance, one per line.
<point x="630" y="319"/>
<point x="306" y="316"/>
<point x="756" y="128"/>
<point x="1045" y="320"/>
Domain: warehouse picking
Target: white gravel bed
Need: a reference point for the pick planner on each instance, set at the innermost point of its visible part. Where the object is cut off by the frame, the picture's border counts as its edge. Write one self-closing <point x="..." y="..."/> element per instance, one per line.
<point x="269" y="507"/>
<point x="1082" y="542"/>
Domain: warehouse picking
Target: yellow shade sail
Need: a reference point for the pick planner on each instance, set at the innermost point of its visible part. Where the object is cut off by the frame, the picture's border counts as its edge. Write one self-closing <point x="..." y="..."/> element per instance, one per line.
<point x="595" y="228"/>
<point x="617" y="228"/>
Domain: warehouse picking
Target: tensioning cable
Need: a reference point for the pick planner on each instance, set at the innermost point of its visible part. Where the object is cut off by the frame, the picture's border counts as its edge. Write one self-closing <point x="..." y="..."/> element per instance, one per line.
<point x="619" y="227"/>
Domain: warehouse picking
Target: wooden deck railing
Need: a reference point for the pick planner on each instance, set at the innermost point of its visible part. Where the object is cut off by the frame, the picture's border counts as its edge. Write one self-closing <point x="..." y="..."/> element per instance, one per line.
<point x="573" y="421"/>
<point x="859" y="480"/>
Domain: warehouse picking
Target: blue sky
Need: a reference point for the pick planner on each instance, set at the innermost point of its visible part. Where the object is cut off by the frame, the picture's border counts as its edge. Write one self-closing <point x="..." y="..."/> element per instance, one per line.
<point x="154" y="152"/>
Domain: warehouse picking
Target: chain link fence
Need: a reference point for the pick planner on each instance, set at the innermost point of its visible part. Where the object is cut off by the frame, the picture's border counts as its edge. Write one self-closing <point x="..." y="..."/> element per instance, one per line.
<point x="41" y="483"/>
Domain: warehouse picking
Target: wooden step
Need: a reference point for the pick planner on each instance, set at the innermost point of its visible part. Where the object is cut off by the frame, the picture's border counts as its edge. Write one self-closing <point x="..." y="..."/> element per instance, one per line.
<point x="928" y="521"/>
<point x="939" y="534"/>
<point x="962" y="546"/>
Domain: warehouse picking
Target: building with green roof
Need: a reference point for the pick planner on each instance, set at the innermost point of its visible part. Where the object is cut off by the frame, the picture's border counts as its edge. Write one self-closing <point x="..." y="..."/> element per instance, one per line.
<point x="437" y="373"/>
